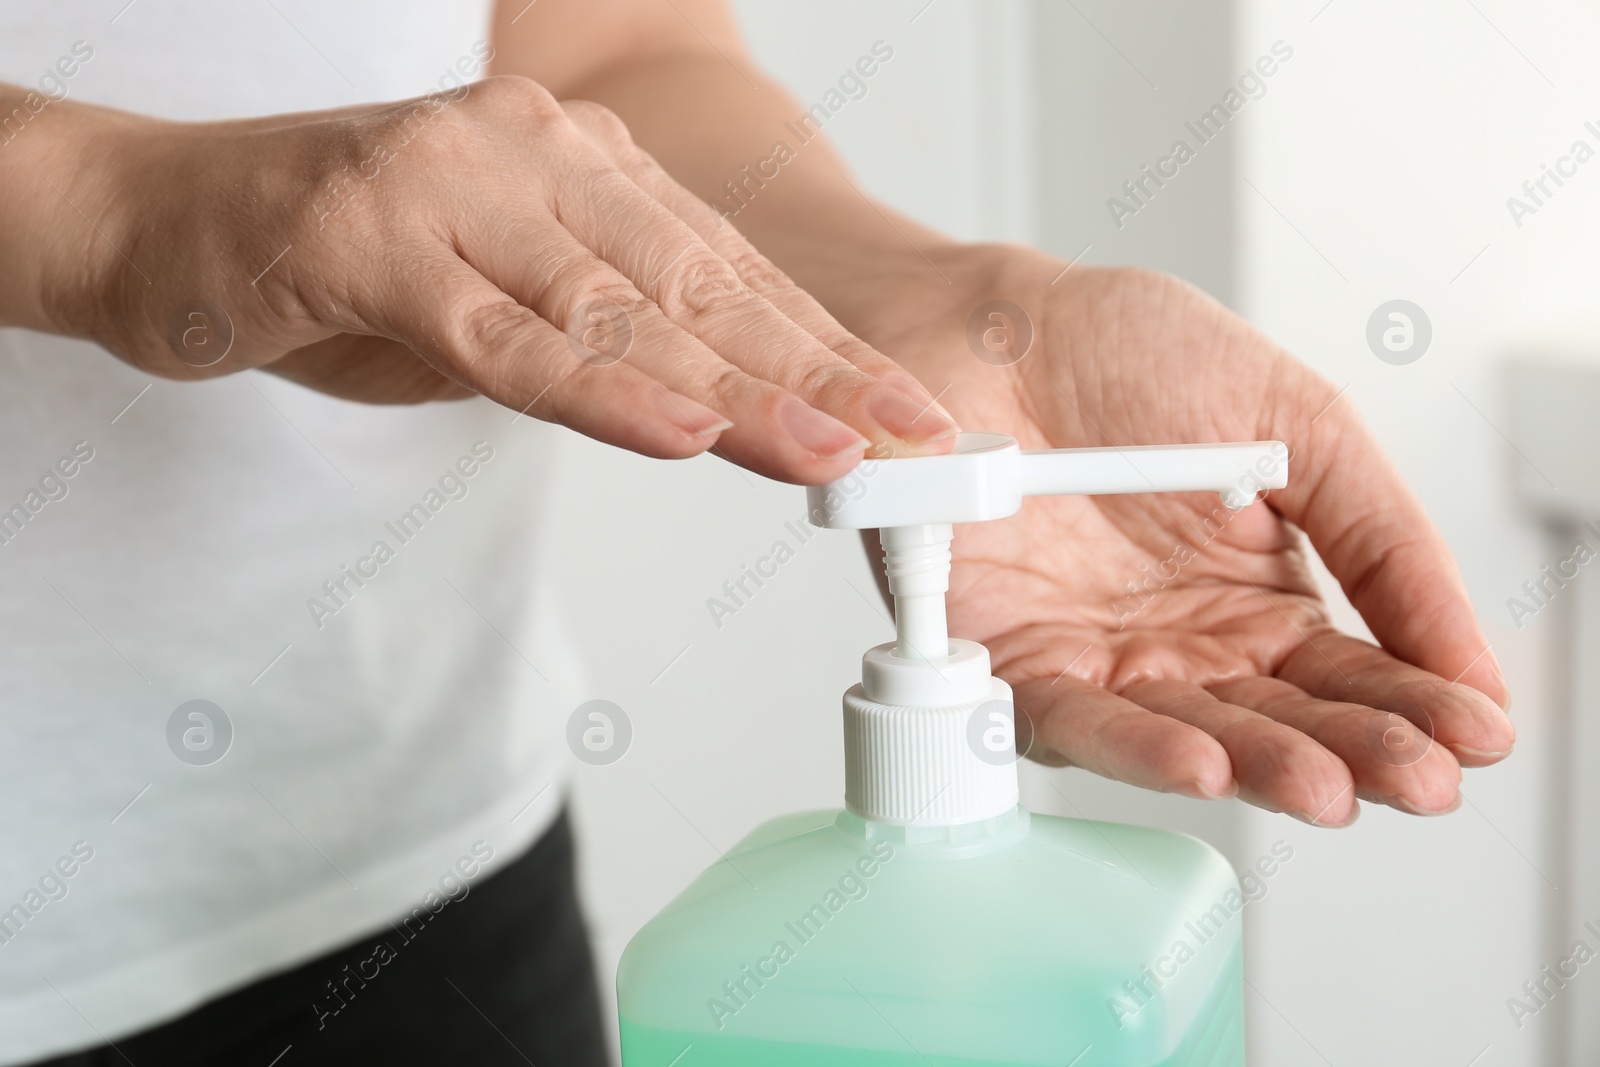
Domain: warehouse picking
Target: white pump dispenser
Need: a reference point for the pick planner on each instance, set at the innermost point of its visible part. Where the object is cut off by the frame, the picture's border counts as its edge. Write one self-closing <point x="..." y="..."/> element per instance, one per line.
<point x="912" y="727"/>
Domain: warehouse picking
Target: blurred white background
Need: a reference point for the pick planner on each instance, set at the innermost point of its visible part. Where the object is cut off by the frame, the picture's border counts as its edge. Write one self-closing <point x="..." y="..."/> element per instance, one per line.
<point x="1376" y="166"/>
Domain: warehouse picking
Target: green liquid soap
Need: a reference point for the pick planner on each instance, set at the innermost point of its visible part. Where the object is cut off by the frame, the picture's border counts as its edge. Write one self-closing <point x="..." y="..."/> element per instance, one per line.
<point x="1024" y="941"/>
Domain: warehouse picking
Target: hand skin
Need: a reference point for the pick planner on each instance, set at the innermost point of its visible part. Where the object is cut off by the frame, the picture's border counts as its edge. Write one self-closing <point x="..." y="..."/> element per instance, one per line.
<point x="434" y="248"/>
<point x="1217" y="670"/>
<point x="1230" y="680"/>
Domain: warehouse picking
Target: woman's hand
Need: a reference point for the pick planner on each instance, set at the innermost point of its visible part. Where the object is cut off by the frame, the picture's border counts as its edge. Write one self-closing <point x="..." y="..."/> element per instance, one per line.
<point x="497" y="242"/>
<point x="1160" y="639"/>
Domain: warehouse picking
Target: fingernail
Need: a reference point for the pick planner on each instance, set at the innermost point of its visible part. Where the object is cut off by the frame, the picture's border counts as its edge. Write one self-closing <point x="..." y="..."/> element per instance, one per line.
<point x="818" y="432"/>
<point x="935" y="406"/>
<point x="922" y="397"/>
<point x="1406" y="806"/>
<point x="691" y="416"/>
<point x="907" y="419"/>
<point x="1500" y="673"/>
<point x="1478" y="753"/>
<point x="1311" y="820"/>
<point x="1494" y="661"/>
<point x="1198" y="789"/>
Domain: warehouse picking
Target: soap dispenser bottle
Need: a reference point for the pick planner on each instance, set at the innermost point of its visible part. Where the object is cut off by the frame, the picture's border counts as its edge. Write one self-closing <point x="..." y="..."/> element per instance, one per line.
<point x="934" y="922"/>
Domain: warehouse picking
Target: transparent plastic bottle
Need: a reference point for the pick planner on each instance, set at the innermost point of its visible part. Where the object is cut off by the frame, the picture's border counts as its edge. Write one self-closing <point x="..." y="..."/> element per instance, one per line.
<point x="934" y="922"/>
<point x="1022" y="940"/>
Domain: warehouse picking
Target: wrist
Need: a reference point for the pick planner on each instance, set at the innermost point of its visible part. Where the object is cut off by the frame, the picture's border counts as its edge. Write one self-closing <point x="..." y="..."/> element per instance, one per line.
<point x="884" y="297"/>
<point x="920" y="312"/>
<point x="58" y="208"/>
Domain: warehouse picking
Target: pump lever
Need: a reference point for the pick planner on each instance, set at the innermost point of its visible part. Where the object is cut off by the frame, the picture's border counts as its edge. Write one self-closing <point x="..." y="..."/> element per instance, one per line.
<point x="987" y="475"/>
<point x="1235" y="471"/>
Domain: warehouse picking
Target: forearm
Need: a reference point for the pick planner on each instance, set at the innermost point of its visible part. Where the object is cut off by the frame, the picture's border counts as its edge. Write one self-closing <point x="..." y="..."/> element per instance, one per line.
<point x="49" y="245"/>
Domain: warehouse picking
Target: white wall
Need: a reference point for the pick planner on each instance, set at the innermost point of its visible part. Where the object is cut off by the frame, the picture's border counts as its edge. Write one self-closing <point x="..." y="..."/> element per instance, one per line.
<point x="1390" y="143"/>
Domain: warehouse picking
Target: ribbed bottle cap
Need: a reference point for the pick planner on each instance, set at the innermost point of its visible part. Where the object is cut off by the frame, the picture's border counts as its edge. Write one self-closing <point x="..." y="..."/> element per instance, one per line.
<point x="917" y="765"/>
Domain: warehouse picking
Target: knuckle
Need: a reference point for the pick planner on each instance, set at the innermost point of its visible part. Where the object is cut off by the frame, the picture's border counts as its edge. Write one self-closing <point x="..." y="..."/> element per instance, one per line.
<point x="600" y="124"/>
<point x="577" y="284"/>
<point x="758" y="272"/>
<point x="823" y="379"/>
<point x="595" y="289"/>
<point x="726" y="381"/>
<point x="478" y="334"/>
<point x="511" y="95"/>
<point x="700" y="284"/>
<point x="607" y="302"/>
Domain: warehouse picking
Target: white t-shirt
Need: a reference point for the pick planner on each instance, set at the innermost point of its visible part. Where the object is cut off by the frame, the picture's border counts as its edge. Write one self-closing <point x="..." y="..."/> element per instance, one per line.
<point x="163" y="543"/>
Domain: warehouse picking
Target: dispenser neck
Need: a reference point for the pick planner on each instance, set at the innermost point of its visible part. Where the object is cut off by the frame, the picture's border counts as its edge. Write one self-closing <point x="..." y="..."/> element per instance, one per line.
<point x="917" y="560"/>
<point x="924" y="667"/>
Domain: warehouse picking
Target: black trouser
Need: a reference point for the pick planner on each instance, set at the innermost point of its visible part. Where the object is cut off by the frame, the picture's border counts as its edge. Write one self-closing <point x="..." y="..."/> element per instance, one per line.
<point x="500" y="976"/>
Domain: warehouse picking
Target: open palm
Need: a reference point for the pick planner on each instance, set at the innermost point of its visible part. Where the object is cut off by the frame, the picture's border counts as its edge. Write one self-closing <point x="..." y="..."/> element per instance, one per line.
<point x="1160" y="639"/>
